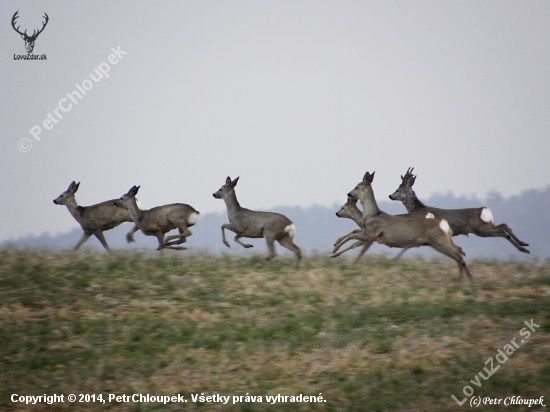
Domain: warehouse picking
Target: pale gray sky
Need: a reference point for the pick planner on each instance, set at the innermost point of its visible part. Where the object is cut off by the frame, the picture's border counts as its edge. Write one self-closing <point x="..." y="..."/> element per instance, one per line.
<point x="299" y="98"/>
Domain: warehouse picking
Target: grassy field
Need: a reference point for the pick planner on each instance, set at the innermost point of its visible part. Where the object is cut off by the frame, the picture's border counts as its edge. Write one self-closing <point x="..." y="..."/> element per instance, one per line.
<point x="378" y="336"/>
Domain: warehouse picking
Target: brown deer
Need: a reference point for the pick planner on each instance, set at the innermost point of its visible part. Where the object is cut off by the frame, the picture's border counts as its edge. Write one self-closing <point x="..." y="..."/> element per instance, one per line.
<point x="478" y="221"/>
<point x="160" y="220"/>
<point x="350" y="211"/>
<point x="249" y="223"/>
<point x="401" y="231"/>
<point x="95" y="219"/>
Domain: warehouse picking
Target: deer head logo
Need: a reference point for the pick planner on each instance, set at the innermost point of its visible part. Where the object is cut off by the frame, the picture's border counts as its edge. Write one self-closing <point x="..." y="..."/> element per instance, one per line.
<point x="29" y="40"/>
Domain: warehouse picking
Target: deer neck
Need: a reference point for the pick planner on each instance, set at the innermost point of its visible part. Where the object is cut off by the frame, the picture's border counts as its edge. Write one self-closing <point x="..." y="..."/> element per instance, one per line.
<point x="232" y="204"/>
<point x="370" y="208"/>
<point x="357" y="217"/>
<point x="134" y="211"/>
<point x="412" y="203"/>
<point x="74" y="209"/>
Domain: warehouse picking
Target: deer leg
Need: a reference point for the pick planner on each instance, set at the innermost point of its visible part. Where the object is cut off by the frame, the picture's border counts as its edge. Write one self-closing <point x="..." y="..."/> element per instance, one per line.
<point x="101" y="238"/>
<point x="84" y="238"/>
<point x="271" y="246"/>
<point x="287" y="242"/>
<point x="181" y="238"/>
<point x="228" y="226"/>
<point x="353" y="246"/>
<point x="401" y="253"/>
<point x="448" y="248"/>
<point x="130" y="234"/>
<point x="162" y="245"/>
<point x="508" y="230"/>
<point x="245" y="245"/>
<point x="345" y="236"/>
<point x="499" y="231"/>
<point x="366" y="247"/>
<point x="356" y="236"/>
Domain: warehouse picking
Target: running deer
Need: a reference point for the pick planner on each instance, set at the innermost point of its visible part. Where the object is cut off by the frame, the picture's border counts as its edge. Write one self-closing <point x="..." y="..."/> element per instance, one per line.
<point x="350" y="211"/>
<point x="95" y="219"/>
<point x="249" y="223"/>
<point x="160" y="220"/>
<point x="478" y="221"/>
<point x="401" y="231"/>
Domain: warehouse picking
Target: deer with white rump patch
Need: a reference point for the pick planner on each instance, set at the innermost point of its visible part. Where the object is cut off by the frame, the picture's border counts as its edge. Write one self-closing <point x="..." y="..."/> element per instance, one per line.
<point x="350" y="211"/>
<point x="249" y="223"/>
<point x="160" y="220"/>
<point x="401" y="231"/>
<point x="478" y="221"/>
<point x="95" y="219"/>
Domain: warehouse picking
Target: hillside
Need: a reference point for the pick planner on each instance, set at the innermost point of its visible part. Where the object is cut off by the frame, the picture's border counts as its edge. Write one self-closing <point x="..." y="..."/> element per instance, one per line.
<point x="381" y="336"/>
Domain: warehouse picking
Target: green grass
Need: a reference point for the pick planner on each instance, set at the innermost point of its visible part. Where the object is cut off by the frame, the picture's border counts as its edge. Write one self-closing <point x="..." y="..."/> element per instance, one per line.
<point x="379" y="336"/>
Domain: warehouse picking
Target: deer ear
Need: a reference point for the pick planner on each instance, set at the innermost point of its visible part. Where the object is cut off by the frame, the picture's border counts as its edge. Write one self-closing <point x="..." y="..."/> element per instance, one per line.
<point x="228" y="181"/>
<point x="412" y="179"/>
<point x="368" y="177"/>
<point x="73" y="187"/>
<point x="23" y="36"/>
<point x="234" y="182"/>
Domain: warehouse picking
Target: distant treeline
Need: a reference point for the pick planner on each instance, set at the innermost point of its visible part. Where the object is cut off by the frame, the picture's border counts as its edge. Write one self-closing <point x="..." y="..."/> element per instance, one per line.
<point x="527" y="214"/>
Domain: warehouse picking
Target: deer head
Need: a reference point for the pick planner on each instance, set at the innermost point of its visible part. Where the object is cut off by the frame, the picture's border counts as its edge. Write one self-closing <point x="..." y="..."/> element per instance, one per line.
<point x="67" y="195"/>
<point x="405" y="187"/>
<point x="29" y="40"/>
<point x="128" y="199"/>
<point x="227" y="189"/>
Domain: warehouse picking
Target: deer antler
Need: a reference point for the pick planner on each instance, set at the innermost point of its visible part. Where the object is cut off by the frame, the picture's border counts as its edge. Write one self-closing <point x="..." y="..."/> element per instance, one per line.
<point x="43" y="26"/>
<point x="35" y="33"/>
<point x="15" y="16"/>
<point x="408" y="175"/>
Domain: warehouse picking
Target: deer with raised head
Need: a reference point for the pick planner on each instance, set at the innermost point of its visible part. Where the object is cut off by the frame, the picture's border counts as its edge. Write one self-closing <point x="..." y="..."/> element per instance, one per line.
<point x="95" y="219"/>
<point x="249" y="223"/>
<point x="350" y="211"/>
<point x="478" y="221"/>
<point x="401" y="231"/>
<point x="160" y="220"/>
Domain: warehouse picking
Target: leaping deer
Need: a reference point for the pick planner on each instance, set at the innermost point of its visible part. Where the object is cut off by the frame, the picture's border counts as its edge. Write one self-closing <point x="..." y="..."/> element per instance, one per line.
<point x="249" y="223"/>
<point x="478" y="221"/>
<point x="95" y="219"/>
<point x="401" y="231"/>
<point x="160" y="220"/>
<point x="350" y="211"/>
<point x="29" y="40"/>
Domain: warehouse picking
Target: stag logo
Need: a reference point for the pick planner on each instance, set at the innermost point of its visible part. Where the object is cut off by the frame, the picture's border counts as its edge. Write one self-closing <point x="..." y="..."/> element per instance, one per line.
<point x="29" y="40"/>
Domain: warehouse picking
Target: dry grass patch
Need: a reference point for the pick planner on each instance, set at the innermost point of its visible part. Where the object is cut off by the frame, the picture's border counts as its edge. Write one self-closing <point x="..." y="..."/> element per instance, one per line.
<point x="381" y="335"/>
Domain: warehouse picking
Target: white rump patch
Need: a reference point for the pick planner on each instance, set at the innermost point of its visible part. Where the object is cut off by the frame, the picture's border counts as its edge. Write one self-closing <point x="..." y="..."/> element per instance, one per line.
<point x="444" y="226"/>
<point x="193" y="218"/>
<point x="430" y="216"/>
<point x="486" y="215"/>
<point x="139" y="205"/>
<point x="291" y="230"/>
